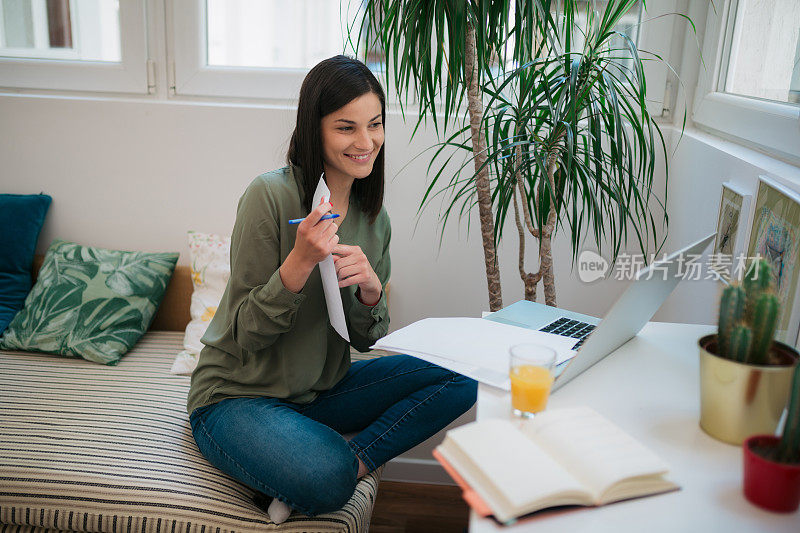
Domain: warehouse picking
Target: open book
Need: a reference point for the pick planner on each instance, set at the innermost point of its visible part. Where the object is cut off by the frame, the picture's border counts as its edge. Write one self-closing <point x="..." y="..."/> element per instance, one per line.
<point x="560" y="457"/>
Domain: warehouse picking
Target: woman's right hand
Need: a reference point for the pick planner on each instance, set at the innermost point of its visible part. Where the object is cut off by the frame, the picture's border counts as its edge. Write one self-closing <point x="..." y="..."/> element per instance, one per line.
<point x="315" y="239"/>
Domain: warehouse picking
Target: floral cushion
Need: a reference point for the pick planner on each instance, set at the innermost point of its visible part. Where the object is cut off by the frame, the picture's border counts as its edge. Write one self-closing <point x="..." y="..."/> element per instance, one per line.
<point x="211" y="268"/>
<point x="90" y="302"/>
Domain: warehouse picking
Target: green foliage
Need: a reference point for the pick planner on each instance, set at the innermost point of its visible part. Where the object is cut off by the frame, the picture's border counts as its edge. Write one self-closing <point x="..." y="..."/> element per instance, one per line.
<point x="552" y="97"/>
<point x="754" y="307"/>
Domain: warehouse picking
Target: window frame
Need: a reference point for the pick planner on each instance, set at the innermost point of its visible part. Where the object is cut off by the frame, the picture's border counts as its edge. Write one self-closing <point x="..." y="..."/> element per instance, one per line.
<point x="659" y="22"/>
<point x="770" y="126"/>
<point x="193" y="77"/>
<point x="127" y="76"/>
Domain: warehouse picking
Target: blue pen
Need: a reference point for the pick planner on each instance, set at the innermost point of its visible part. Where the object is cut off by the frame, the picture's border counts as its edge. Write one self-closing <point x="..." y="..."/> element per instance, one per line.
<point x="323" y="217"/>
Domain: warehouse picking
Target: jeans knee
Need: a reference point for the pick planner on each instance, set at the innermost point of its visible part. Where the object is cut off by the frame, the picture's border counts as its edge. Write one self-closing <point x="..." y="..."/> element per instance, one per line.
<point x="330" y="485"/>
<point x="465" y="392"/>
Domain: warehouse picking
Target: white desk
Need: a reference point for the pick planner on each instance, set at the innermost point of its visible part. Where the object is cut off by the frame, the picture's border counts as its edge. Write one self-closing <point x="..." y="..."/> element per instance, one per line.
<point x="650" y="388"/>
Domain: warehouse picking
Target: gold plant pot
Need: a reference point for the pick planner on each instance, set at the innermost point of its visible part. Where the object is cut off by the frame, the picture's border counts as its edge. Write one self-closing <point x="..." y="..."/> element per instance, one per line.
<point x="738" y="400"/>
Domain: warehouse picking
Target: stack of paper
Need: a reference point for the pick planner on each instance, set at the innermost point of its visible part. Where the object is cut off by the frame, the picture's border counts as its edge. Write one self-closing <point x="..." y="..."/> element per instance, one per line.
<point x="473" y="347"/>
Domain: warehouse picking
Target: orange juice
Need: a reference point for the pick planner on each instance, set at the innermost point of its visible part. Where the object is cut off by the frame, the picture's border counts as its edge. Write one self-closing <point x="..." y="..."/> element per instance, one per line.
<point x="530" y="388"/>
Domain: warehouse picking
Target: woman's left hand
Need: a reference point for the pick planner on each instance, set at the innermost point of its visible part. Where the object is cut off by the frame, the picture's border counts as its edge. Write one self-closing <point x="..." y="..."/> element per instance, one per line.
<point x="352" y="267"/>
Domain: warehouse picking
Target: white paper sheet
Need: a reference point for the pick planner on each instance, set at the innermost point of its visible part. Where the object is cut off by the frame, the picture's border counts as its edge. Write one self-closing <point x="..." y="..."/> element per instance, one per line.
<point x="327" y="270"/>
<point x="474" y="347"/>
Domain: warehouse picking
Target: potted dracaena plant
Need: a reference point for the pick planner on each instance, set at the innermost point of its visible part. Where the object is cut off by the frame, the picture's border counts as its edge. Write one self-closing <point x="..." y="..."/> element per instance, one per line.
<point x="772" y="464"/>
<point x="547" y="102"/>
<point x="745" y="375"/>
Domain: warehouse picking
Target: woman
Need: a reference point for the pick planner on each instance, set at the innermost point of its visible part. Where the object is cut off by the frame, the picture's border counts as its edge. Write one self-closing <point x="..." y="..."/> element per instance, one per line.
<point x="274" y="389"/>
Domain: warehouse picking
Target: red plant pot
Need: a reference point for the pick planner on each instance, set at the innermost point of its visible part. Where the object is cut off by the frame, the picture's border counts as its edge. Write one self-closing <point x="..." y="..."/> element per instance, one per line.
<point x="770" y="485"/>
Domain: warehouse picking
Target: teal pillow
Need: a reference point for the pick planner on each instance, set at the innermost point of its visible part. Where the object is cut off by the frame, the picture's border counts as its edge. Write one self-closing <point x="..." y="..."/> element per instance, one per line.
<point x="21" y="219"/>
<point x="90" y="302"/>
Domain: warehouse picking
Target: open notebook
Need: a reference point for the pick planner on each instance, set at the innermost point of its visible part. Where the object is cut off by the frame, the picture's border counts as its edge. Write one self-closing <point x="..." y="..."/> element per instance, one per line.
<point x="561" y="457"/>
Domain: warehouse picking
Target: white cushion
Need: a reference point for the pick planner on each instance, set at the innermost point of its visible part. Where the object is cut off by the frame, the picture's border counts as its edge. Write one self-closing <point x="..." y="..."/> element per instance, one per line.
<point x="211" y="269"/>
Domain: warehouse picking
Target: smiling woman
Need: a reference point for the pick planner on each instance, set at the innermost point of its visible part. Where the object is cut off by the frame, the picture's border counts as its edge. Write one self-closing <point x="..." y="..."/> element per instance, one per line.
<point x="352" y="138"/>
<point x="274" y="389"/>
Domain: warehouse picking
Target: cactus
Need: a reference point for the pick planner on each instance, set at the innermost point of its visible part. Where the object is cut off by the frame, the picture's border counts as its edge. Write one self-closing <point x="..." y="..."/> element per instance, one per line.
<point x="789" y="446"/>
<point x="748" y="317"/>
<point x="764" y="321"/>
<point x="740" y="344"/>
<point x="731" y="311"/>
<point x="757" y="280"/>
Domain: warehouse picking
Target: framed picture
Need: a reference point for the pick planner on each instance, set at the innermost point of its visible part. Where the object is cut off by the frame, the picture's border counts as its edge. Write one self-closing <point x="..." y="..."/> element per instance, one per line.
<point x="732" y="228"/>
<point x="775" y="235"/>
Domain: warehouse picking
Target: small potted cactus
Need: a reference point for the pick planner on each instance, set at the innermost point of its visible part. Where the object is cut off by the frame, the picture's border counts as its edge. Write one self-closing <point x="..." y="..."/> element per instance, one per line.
<point x="745" y="375"/>
<point x="772" y="464"/>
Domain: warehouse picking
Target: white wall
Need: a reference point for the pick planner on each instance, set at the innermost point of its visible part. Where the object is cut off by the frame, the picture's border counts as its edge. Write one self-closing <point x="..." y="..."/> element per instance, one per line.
<point x="139" y="174"/>
<point x="698" y="167"/>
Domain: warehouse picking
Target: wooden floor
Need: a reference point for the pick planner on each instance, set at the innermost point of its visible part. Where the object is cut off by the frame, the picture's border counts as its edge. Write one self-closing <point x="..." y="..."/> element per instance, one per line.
<point x="418" y="508"/>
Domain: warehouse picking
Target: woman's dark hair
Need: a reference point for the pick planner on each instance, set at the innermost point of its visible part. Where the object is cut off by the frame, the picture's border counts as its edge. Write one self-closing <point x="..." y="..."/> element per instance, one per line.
<point x="331" y="85"/>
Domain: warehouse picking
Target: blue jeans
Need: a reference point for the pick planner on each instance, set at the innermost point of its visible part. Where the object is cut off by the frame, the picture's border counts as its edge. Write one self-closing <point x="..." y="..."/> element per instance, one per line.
<point x="296" y="453"/>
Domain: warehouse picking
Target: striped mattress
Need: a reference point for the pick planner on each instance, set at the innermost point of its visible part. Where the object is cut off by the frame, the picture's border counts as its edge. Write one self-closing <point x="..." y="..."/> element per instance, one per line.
<point x="87" y="447"/>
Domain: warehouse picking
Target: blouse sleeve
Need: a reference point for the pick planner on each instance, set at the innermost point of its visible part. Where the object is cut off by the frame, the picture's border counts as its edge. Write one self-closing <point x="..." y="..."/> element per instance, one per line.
<point x="367" y="323"/>
<point x="261" y="307"/>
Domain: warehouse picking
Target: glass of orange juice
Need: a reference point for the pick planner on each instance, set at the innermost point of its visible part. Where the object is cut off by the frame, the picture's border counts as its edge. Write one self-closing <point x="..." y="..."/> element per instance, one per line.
<point x="531" y="376"/>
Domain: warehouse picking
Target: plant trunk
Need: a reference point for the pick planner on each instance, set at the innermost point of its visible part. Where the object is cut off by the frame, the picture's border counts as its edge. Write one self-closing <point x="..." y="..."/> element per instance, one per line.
<point x="545" y="249"/>
<point x="475" y="100"/>
<point x="529" y="280"/>
<point x="546" y="266"/>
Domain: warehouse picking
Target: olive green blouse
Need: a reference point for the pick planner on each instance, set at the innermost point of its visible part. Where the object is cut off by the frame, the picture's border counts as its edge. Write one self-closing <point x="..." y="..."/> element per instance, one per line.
<point x="267" y="341"/>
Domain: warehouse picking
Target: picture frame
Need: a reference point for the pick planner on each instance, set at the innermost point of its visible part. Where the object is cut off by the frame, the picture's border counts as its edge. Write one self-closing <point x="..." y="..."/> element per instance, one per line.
<point x="733" y="228"/>
<point x="775" y="235"/>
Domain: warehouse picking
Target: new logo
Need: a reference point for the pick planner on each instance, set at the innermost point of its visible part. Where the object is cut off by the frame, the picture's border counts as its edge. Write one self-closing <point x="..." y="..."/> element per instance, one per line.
<point x="591" y="266"/>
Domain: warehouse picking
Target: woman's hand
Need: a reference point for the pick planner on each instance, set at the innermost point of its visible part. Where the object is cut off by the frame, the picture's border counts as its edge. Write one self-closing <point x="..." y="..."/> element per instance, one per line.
<point x="315" y="239"/>
<point x="314" y="242"/>
<point x="352" y="267"/>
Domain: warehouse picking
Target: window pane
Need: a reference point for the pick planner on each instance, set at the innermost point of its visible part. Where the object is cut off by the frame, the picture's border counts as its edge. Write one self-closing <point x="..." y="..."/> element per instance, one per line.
<point x="765" y="50"/>
<point x="60" y="29"/>
<point x="627" y="26"/>
<point x="277" y="33"/>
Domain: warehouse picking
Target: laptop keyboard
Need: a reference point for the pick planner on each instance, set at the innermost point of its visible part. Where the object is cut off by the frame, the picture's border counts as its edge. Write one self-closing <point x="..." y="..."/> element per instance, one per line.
<point x="570" y="328"/>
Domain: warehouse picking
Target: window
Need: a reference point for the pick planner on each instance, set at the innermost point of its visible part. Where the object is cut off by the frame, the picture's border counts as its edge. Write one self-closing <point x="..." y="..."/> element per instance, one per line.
<point x="85" y="30"/>
<point x="253" y="49"/>
<point x="765" y="50"/>
<point x="256" y="48"/>
<point x="73" y="44"/>
<point x="750" y="88"/>
<point x="272" y="33"/>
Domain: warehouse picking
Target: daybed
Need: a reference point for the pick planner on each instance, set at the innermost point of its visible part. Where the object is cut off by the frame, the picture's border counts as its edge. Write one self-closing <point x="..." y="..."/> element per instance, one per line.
<point x="89" y="447"/>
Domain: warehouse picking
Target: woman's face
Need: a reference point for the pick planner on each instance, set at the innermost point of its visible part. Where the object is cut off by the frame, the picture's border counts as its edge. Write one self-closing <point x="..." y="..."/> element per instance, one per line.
<point x="352" y="137"/>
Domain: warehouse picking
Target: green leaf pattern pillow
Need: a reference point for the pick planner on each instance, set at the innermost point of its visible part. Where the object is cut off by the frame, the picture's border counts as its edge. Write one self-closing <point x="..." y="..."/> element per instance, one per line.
<point x="90" y="302"/>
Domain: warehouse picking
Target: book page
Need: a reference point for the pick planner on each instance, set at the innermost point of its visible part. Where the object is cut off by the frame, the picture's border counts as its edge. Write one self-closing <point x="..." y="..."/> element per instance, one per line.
<point x="511" y="473"/>
<point x="592" y="449"/>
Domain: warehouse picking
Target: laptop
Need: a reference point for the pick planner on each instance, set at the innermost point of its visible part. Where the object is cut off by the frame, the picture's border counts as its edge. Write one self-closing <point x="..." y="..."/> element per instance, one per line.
<point x="594" y="338"/>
